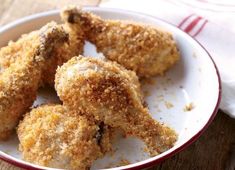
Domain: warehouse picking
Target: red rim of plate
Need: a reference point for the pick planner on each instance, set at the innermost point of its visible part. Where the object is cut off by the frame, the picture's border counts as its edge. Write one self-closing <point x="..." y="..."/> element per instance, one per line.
<point x="144" y="165"/>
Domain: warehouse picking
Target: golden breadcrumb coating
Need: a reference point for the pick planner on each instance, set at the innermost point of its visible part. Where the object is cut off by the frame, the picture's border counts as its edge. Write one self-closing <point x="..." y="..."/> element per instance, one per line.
<point x="19" y="82"/>
<point x="15" y="50"/>
<point x="145" y="49"/>
<point x="62" y="54"/>
<point x="110" y="93"/>
<point x="50" y="136"/>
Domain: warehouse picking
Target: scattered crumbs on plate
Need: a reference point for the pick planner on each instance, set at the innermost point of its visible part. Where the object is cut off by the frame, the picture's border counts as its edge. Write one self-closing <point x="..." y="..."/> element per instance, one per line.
<point x="111" y="165"/>
<point x="181" y="87"/>
<point x="168" y="80"/>
<point x="160" y="118"/>
<point x="160" y="97"/>
<point x="199" y="69"/>
<point x="124" y="162"/>
<point x="168" y="105"/>
<point x="194" y="55"/>
<point x="188" y="107"/>
<point x="165" y="89"/>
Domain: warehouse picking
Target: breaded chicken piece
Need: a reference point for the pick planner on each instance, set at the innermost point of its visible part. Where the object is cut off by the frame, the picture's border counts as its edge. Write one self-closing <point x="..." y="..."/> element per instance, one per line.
<point x="16" y="50"/>
<point x="145" y="49"/>
<point x="50" y="136"/>
<point x="19" y="82"/>
<point x="62" y="54"/>
<point x="111" y="93"/>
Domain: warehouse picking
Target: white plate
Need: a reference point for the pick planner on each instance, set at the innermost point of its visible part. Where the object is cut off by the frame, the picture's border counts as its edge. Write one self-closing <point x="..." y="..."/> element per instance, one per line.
<point x="195" y="79"/>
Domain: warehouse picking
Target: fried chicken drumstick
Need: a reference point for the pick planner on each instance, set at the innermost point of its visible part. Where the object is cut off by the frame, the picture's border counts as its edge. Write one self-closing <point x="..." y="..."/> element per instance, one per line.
<point x="147" y="50"/>
<point x="19" y="82"/>
<point x="16" y="50"/>
<point x="110" y="93"/>
<point x="50" y="136"/>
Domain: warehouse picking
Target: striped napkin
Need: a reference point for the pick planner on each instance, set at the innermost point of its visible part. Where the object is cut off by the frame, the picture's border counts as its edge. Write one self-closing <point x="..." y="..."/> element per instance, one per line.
<point x="213" y="27"/>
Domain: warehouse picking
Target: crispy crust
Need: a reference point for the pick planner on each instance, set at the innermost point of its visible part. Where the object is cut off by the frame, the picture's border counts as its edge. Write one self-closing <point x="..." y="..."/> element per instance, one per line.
<point x="16" y="50"/>
<point x="73" y="48"/>
<point x="110" y="93"/>
<point x="20" y="81"/>
<point x="86" y="72"/>
<point x="145" y="49"/>
<point x="52" y="137"/>
<point x="97" y="95"/>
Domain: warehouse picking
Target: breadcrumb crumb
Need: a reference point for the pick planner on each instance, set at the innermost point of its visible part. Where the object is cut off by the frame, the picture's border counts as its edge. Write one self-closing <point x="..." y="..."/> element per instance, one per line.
<point x="168" y="105"/>
<point x="188" y="107"/>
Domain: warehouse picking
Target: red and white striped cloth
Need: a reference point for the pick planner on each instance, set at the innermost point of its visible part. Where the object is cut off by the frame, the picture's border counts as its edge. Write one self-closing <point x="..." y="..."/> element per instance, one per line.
<point x="213" y="28"/>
